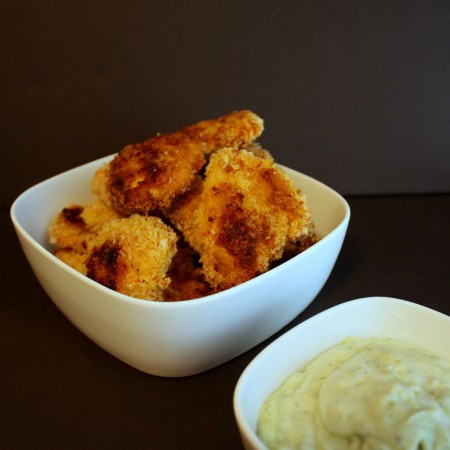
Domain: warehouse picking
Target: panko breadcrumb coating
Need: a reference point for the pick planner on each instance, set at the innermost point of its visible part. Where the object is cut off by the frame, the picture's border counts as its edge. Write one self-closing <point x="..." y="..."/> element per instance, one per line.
<point x="292" y="249"/>
<point x="236" y="130"/>
<point x="233" y="214"/>
<point x="241" y="217"/>
<point x="96" y="213"/>
<point x="145" y="178"/>
<point x="68" y="229"/>
<point x="100" y="185"/>
<point x="74" y="225"/>
<point x="132" y="255"/>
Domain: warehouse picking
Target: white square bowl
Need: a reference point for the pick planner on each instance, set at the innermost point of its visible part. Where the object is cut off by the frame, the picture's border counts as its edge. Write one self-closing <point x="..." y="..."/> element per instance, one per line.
<point x="177" y="338"/>
<point x="362" y="318"/>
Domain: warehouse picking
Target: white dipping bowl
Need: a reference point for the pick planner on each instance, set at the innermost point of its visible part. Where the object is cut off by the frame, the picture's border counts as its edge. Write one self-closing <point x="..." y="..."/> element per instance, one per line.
<point x="177" y="338"/>
<point x="373" y="317"/>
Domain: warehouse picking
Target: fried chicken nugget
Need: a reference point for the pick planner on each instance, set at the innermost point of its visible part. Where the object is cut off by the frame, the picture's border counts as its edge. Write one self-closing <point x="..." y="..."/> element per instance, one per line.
<point x="240" y="218"/>
<point x="146" y="177"/>
<point x="132" y="255"/>
<point x="74" y="226"/>
<point x="100" y="185"/>
<point x="68" y="229"/>
<point x="234" y="130"/>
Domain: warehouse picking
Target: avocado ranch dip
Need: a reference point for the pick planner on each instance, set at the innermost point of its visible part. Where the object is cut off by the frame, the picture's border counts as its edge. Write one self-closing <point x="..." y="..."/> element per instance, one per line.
<point x="363" y="394"/>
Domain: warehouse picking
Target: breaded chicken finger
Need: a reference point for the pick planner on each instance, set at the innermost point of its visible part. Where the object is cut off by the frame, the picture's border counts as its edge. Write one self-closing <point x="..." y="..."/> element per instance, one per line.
<point x="145" y="178"/>
<point x="241" y="217"/>
<point x="132" y="255"/>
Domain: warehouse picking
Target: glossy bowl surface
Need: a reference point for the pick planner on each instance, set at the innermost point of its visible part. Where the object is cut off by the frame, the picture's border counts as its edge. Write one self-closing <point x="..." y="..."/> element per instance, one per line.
<point x="182" y="338"/>
<point x="364" y="318"/>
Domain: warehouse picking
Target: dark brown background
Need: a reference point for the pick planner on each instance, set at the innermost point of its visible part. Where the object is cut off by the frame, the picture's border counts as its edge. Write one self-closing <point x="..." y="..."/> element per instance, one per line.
<point x="354" y="93"/>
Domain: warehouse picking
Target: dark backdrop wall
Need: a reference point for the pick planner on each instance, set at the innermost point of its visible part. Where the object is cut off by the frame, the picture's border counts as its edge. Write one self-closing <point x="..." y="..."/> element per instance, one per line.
<point x="354" y="93"/>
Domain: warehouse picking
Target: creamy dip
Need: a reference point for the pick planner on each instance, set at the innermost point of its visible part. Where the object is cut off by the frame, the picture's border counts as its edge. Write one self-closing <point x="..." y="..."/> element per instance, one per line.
<point x="362" y="394"/>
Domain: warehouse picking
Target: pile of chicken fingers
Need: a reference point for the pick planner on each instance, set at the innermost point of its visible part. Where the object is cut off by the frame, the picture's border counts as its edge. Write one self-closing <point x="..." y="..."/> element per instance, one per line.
<point x="186" y="214"/>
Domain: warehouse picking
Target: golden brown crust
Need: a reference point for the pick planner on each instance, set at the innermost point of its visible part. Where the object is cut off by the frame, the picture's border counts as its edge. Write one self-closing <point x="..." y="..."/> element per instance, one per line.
<point x="96" y="213"/>
<point x="242" y="216"/>
<point x="236" y="213"/>
<point x="74" y="227"/>
<point x="146" y="177"/>
<point x="236" y="129"/>
<point x="132" y="255"/>
<point x="292" y="249"/>
<point x="100" y="185"/>
<point x="69" y="230"/>
<point x="75" y="224"/>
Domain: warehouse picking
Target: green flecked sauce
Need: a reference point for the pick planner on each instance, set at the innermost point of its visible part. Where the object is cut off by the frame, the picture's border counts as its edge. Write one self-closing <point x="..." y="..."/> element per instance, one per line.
<point x="363" y="394"/>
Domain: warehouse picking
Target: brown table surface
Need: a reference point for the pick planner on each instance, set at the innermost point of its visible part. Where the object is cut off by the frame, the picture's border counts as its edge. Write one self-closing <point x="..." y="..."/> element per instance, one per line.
<point x="59" y="390"/>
